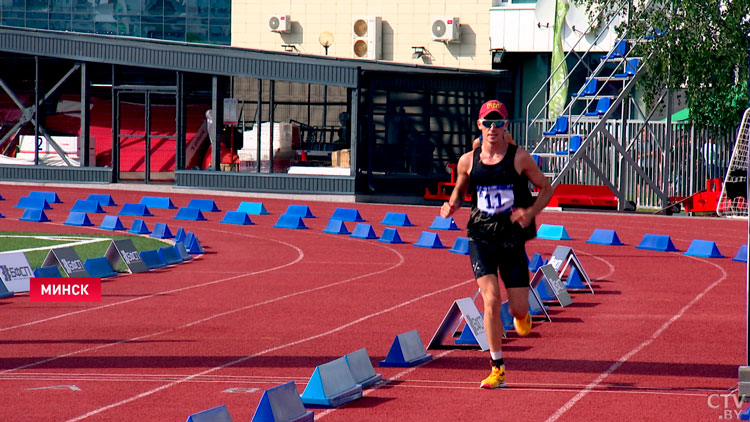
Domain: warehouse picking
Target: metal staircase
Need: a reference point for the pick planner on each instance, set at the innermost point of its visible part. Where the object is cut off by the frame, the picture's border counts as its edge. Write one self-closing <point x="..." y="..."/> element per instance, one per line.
<point x="598" y="112"/>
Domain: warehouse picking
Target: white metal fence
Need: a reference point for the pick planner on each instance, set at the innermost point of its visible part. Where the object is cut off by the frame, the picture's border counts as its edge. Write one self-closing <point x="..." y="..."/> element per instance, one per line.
<point x="679" y="168"/>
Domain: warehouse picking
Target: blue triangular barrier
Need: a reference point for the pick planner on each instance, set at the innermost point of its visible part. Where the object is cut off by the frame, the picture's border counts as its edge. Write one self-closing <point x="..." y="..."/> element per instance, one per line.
<point x="237" y="217"/>
<point x="440" y="223"/>
<point x="396" y="219"/>
<point x="99" y="267"/>
<point x="604" y="237"/>
<point x="363" y="231"/>
<point x="47" y="271"/>
<point x="347" y="214"/>
<point x="467" y="338"/>
<point x="390" y="235"/>
<point x="574" y="281"/>
<point x="429" y="240"/>
<point x="139" y="227"/>
<point x="535" y="263"/>
<point x="161" y="231"/>
<point x="157" y="202"/>
<point x="460" y="246"/>
<point x="138" y="210"/>
<point x="51" y="197"/>
<point x="84" y="205"/>
<point x="407" y="350"/>
<point x="104" y="199"/>
<point x="34" y="214"/>
<point x="180" y="235"/>
<point x="331" y="385"/>
<point x="192" y="214"/>
<point x="193" y="245"/>
<point x="361" y="368"/>
<point x="657" y="242"/>
<point x="112" y="222"/>
<point x="252" y="208"/>
<point x="299" y="210"/>
<point x="704" y="249"/>
<point x="4" y="292"/>
<point x="506" y="316"/>
<point x="182" y="251"/>
<point x="741" y="254"/>
<point x="170" y="255"/>
<point x="336" y="227"/>
<point x="536" y="308"/>
<point x="544" y="292"/>
<point x="745" y="415"/>
<point x="78" y="219"/>
<point x="282" y="404"/>
<point x="1" y="198"/>
<point x="549" y="231"/>
<point x="152" y="259"/>
<point x="2" y="216"/>
<point x="216" y="414"/>
<point x="37" y="203"/>
<point x="288" y="221"/>
<point x="207" y="205"/>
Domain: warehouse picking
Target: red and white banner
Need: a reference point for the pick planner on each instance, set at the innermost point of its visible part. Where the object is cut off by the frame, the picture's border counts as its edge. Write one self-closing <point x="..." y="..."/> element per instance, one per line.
<point x="72" y="289"/>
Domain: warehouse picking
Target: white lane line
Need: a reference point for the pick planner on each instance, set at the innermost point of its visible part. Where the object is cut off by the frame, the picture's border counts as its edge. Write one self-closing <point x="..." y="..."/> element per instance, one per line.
<point x="263" y="352"/>
<point x="595" y="383"/>
<point x="214" y="316"/>
<point x="300" y="256"/>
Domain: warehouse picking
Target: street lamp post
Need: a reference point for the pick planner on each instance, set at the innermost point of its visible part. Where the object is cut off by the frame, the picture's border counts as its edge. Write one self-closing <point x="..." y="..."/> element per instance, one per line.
<point x="326" y="40"/>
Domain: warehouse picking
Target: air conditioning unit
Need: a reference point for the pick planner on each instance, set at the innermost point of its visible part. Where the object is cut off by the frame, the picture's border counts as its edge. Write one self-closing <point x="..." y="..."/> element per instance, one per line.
<point x="280" y="23"/>
<point x="446" y="29"/>
<point x="367" y="37"/>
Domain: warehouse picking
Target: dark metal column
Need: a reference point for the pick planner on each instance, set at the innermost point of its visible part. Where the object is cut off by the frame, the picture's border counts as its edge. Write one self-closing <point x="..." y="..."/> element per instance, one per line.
<point x="180" y="122"/>
<point x="353" y="128"/>
<point x="258" y="120"/>
<point x="271" y="93"/>
<point x="147" y="156"/>
<point x="217" y="105"/>
<point x="36" y="110"/>
<point x="115" y="131"/>
<point x="85" y="138"/>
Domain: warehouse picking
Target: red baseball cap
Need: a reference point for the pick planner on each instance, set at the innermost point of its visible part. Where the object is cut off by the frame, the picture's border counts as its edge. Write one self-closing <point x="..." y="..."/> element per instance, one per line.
<point x="493" y="106"/>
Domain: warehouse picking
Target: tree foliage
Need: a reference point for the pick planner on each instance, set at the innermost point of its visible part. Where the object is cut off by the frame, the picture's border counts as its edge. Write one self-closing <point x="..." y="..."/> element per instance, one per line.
<point x="699" y="46"/>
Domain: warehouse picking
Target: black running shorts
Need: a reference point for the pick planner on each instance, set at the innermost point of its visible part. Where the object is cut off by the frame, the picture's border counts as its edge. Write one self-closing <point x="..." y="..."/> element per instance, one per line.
<point x="491" y="258"/>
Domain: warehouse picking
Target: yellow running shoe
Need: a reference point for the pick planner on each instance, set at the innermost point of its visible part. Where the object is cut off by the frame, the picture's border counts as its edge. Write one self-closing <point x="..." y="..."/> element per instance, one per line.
<point x="496" y="378"/>
<point x="523" y="326"/>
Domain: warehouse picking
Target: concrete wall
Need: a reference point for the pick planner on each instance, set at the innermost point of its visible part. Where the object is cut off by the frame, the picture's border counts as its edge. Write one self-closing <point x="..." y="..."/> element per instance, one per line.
<point x="405" y="23"/>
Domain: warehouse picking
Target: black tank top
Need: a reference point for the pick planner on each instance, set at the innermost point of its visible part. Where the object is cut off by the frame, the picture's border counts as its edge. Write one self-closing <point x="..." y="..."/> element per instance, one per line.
<point x="497" y="189"/>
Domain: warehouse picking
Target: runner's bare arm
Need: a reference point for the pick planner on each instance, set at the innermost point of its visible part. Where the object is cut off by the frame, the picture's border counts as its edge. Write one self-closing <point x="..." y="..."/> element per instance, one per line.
<point x="462" y="185"/>
<point x="525" y="164"/>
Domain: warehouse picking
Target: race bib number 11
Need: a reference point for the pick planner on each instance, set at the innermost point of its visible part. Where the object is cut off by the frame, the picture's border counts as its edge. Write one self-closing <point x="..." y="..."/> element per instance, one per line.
<point x="495" y="199"/>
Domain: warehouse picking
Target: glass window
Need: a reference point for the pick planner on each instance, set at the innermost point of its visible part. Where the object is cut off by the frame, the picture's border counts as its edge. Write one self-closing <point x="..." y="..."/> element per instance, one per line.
<point x="197" y="33"/>
<point x="153" y="7"/>
<point x="37" y="5"/>
<point x="60" y="25"/>
<point x="37" y="23"/>
<point x="83" y="23"/>
<point x="202" y="21"/>
<point x="61" y="6"/>
<point x="125" y="28"/>
<point x="221" y="8"/>
<point x="174" y="29"/>
<point x="198" y="7"/>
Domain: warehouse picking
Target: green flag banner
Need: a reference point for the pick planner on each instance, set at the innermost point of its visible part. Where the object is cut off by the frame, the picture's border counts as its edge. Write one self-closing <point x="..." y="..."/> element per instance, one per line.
<point x="558" y="84"/>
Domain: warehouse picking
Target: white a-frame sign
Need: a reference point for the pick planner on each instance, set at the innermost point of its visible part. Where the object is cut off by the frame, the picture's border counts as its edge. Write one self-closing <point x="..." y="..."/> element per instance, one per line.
<point x="461" y="309"/>
<point x="546" y="274"/>
<point x="564" y="256"/>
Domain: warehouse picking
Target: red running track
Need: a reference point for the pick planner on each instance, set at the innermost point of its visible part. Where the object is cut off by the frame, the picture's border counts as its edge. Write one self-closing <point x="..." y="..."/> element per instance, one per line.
<point x="660" y="340"/>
